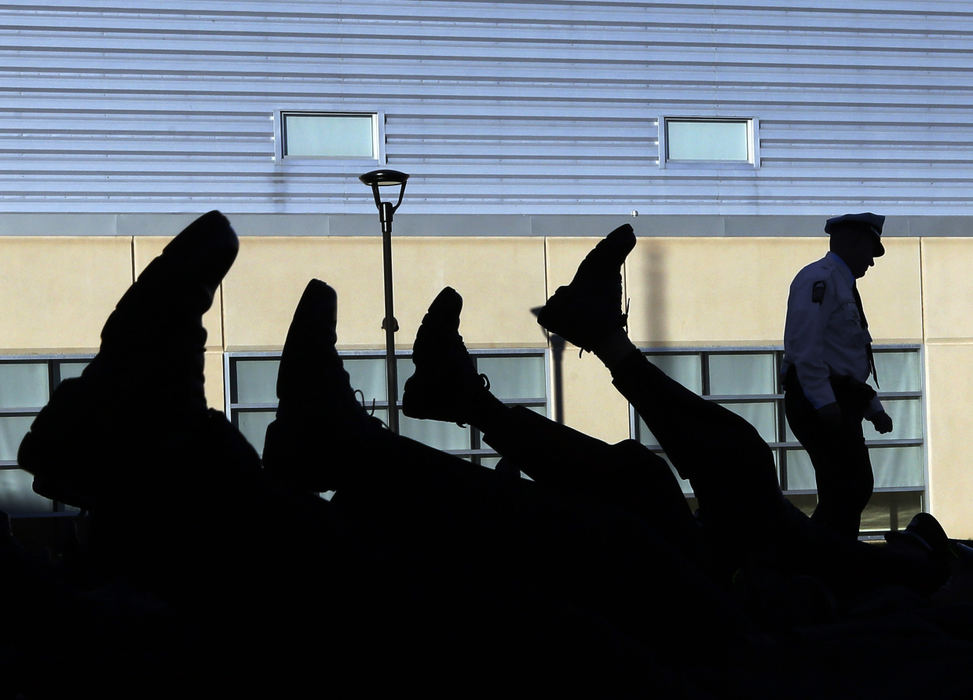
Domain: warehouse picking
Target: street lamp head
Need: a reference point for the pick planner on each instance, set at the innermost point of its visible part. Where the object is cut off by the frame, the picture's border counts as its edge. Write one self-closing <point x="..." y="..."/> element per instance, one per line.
<point x="385" y="178"/>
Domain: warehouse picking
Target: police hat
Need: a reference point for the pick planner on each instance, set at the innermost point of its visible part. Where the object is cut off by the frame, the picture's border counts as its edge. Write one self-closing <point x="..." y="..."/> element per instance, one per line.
<point x="865" y="223"/>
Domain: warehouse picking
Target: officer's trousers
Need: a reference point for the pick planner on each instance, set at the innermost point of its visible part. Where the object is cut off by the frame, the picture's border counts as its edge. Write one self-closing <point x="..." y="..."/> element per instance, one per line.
<point x="841" y="464"/>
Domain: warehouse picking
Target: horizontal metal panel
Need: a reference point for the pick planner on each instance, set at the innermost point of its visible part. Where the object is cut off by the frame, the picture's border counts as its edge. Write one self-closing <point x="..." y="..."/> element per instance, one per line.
<point x="508" y="105"/>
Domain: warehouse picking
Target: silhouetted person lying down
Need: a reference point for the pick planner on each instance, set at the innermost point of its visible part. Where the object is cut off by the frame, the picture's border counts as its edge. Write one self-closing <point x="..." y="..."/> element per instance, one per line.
<point x="744" y="520"/>
<point x="463" y="575"/>
<point x="424" y="573"/>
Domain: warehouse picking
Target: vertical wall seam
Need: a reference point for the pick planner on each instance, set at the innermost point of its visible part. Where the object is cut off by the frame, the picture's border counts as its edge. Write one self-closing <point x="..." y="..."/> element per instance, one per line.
<point x="131" y="249"/>
<point x="926" y="403"/>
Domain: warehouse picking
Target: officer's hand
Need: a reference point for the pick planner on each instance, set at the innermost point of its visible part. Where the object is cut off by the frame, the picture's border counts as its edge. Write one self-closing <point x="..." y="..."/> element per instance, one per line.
<point x="882" y="422"/>
<point x="830" y="414"/>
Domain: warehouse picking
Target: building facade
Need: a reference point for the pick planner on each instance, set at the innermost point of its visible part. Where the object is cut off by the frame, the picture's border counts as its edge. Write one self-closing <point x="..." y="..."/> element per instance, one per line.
<point x="725" y="134"/>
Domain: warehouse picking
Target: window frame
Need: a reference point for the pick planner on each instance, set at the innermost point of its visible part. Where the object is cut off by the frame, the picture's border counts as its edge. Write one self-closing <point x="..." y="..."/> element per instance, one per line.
<point x="378" y="136"/>
<point x="54" y="377"/>
<point x="477" y="451"/>
<point x="753" y="142"/>
<point x="781" y="446"/>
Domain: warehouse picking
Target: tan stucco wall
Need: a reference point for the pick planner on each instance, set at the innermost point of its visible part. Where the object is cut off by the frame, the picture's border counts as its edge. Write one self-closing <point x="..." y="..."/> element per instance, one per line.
<point x="949" y="386"/>
<point x="733" y="291"/>
<point x="57" y="291"/>
<point x="269" y="276"/>
<point x="948" y="315"/>
<point x="496" y="277"/>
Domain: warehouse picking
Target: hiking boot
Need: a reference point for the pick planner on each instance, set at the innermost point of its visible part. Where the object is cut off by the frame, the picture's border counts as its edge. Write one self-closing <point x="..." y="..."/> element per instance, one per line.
<point x="318" y="410"/>
<point x="143" y="393"/>
<point x="445" y="380"/>
<point x="589" y="308"/>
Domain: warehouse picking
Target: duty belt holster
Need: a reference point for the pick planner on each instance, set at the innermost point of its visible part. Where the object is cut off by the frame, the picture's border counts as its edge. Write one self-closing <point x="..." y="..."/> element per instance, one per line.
<point x="851" y="394"/>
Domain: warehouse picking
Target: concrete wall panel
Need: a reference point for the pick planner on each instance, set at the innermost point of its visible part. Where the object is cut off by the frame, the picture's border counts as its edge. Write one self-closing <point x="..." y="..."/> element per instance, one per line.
<point x="269" y="275"/>
<point x="733" y="291"/>
<point x="949" y="392"/>
<point x="500" y="279"/>
<point x="57" y="292"/>
<point x="947" y="288"/>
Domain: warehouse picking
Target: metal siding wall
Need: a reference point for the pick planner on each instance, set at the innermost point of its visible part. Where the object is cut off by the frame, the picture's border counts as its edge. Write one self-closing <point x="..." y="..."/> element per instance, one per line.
<point x="493" y="107"/>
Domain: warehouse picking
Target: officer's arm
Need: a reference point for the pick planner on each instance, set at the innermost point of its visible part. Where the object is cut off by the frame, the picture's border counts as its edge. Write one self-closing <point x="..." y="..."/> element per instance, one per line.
<point x="809" y="306"/>
<point x="877" y="416"/>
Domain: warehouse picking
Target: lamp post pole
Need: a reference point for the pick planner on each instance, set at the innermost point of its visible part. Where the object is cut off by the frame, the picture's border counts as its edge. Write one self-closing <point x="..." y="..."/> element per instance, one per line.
<point x="376" y="179"/>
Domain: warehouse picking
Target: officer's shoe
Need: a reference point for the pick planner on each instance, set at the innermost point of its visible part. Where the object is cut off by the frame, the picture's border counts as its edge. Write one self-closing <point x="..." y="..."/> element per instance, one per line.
<point x="143" y="393"/>
<point x="445" y="381"/>
<point x="318" y="413"/>
<point x="589" y="308"/>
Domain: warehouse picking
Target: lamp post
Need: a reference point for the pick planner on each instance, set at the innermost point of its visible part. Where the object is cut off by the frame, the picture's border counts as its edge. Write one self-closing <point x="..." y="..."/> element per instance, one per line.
<point x="376" y="179"/>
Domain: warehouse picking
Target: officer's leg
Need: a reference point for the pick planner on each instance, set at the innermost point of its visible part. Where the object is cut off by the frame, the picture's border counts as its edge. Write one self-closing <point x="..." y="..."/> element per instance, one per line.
<point x="841" y="464"/>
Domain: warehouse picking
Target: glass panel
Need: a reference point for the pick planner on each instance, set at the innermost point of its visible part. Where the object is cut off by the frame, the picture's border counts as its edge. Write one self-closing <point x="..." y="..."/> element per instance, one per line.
<point x="16" y="495"/>
<point x="742" y="374"/>
<point x="890" y="511"/>
<point x="800" y="473"/>
<point x="684" y="484"/>
<point x="685" y="369"/>
<point x="382" y="415"/>
<point x="897" y="466"/>
<point x="12" y="431"/>
<point x="256" y="381"/>
<point x="331" y="135"/>
<point x="70" y="370"/>
<point x="24" y="385"/>
<point x="906" y="418"/>
<point x="514" y="377"/>
<point x="906" y="421"/>
<point x="644" y="434"/>
<point x="368" y="375"/>
<point x="253" y="425"/>
<point x="806" y="503"/>
<point x="489" y="462"/>
<point x="898" y="371"/>
<point x="707" y="140"/>
<point x="539" y="410"/>
<point x="442" y="436"/>
<point x="762" y="416"/>
<point x="404" y="367"/>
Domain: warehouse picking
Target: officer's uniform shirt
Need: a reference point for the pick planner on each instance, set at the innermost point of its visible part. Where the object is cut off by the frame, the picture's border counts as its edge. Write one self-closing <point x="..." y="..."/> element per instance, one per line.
<point x="823" y="334"/>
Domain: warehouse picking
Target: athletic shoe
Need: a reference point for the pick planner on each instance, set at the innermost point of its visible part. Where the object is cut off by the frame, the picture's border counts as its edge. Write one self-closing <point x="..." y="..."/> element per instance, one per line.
<point x="589" y="308"/>
<point x="318" y="409"/>
<point x="144" y="392"/>
<point x="445" y="380"/>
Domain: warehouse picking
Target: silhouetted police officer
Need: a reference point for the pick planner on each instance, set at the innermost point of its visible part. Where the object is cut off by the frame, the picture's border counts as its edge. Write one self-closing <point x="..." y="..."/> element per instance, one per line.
<point x="827" y="360"/>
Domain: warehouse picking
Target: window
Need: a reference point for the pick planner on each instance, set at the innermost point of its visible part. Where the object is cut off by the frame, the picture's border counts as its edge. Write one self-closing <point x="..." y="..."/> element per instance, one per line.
<point x="697" y="140"/>
<point x="747" y="383"/>
<point x="329" y="135"/>
<point x="26" y="385"/>
<point x="517" y="377"/>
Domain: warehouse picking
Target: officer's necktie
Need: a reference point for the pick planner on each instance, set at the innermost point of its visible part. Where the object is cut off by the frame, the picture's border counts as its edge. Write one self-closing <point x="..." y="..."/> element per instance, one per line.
<point x="864" y="322"/>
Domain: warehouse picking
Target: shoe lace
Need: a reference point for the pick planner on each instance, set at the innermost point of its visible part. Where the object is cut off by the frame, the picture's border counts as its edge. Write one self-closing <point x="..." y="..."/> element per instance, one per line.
<point x="360" y="395"/>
